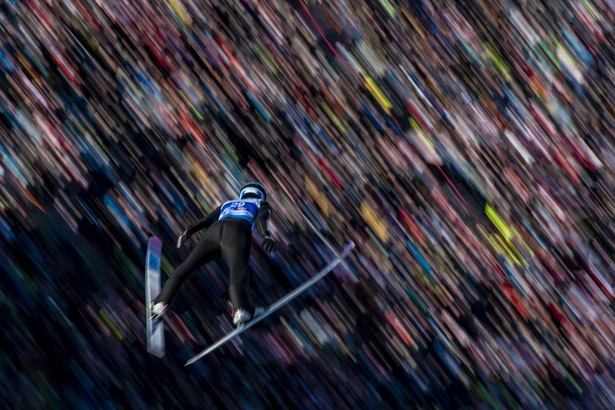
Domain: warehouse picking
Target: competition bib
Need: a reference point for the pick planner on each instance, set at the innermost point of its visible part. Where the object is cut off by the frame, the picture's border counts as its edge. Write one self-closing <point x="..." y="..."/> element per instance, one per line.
<point x="245" y="209"/>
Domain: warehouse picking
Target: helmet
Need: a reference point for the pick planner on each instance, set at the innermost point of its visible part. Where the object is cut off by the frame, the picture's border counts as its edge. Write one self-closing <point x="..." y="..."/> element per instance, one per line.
<point x="253" y="190"/>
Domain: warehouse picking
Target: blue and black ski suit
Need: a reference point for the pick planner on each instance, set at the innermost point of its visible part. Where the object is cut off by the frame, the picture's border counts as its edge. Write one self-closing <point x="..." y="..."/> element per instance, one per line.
<point x="228" y="235"/>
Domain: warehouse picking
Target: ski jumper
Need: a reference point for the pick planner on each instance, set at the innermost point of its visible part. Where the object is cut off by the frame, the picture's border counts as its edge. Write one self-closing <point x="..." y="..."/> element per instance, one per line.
<point x="228" y="235"/>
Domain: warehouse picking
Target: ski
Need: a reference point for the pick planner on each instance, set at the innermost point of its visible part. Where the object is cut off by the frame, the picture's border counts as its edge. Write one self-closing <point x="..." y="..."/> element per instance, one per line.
<point x="277" y="305"/>
<point x="155" y="329"/>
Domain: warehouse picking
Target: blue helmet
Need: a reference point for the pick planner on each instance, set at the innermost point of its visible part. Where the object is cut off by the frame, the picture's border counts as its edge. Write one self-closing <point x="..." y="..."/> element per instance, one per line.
<point x="253" y="190"/>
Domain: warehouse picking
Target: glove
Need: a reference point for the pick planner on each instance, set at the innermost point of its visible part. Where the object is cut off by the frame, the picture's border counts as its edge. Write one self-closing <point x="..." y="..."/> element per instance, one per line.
<point x="268" y="245"/>
<point x="182" y="238"/>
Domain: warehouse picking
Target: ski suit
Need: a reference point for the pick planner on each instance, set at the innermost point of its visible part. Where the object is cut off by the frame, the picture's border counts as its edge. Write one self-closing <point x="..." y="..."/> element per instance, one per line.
<point x="228" y="234"/>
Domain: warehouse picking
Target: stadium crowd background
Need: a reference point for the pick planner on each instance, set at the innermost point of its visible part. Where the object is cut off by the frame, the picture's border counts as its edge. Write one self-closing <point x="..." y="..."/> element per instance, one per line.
<point x="466" y="147"/>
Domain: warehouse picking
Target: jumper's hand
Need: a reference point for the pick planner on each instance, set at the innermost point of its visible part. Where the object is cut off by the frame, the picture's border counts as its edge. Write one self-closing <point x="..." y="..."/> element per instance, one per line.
<point x="182" y="238"/>
<point x="268" y="245"/>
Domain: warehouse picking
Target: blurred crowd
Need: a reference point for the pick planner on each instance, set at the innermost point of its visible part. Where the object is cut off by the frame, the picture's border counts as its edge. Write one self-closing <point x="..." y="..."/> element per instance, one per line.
<point x="466" y="147"/>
